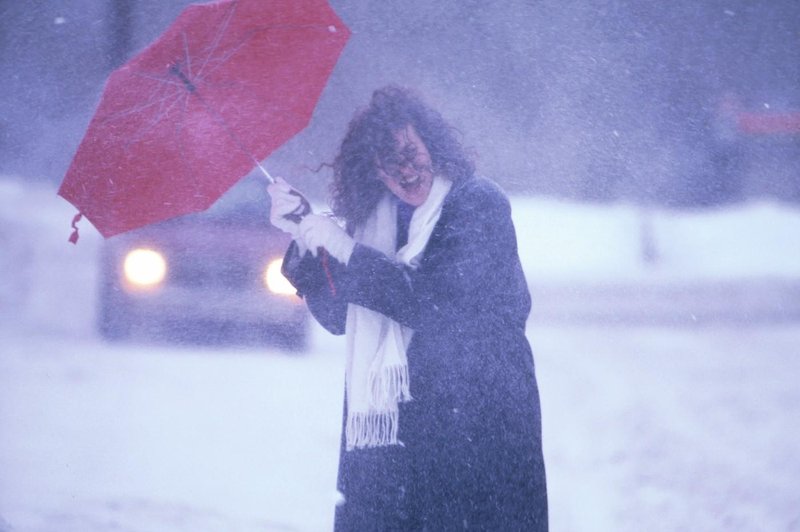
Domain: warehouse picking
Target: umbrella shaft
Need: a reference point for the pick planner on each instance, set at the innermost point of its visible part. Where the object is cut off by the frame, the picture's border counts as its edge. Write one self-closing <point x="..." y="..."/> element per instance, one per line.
<point x="192" y="88"/>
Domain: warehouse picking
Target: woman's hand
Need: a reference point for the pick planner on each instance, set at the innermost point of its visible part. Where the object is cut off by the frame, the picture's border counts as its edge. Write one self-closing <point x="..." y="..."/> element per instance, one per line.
<point x="286" y="203"/>
<point x="322" y="232"/>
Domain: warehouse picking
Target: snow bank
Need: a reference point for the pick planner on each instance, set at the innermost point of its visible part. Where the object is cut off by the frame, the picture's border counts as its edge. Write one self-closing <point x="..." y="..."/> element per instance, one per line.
<point x="566" y="241"/>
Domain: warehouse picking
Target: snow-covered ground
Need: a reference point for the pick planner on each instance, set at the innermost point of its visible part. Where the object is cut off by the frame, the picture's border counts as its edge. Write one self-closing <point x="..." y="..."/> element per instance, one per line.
<point x="646" y="427"/>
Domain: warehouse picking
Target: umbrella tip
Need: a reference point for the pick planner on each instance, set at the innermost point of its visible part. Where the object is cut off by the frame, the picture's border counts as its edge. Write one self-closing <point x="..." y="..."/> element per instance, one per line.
<point x="332" y="28"/>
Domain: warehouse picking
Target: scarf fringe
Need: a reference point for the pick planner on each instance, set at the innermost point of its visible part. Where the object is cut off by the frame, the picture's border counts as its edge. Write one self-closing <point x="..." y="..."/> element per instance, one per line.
<point x="371" y="429"/>
<point x="389" y="386"/>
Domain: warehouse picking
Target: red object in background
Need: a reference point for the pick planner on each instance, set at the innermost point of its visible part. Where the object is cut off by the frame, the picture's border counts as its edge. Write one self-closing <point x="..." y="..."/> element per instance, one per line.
<point x="769" y="123"/>
<point x="223" y="87"/>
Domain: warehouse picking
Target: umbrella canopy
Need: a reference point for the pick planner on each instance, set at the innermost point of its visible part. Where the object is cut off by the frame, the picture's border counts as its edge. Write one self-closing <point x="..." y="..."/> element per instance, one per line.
<point x="223" y="87"/>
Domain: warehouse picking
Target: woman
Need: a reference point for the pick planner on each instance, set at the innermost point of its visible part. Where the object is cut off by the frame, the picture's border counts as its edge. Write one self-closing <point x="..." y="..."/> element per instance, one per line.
<point x="442" y="427"/>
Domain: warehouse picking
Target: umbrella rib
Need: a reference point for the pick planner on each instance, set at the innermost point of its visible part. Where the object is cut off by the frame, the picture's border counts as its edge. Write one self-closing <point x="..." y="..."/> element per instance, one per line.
<point x="152" y="123"/>
<point x="186" y="57"/>
<point x="223" y="58"/>
<point x="143" y="107"/>
<point x="163" y="79"/>
<point x="223" y="28"/>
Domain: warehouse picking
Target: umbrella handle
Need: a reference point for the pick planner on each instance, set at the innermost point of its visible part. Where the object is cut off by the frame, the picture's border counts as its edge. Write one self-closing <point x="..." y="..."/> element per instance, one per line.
<point x="297" y="216"/>
<point x="299" y="213"/>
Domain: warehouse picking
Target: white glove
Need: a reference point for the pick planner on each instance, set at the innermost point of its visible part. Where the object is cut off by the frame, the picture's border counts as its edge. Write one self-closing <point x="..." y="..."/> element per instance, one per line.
<point x="322" y="232"/>
<point x="283" y="202"/>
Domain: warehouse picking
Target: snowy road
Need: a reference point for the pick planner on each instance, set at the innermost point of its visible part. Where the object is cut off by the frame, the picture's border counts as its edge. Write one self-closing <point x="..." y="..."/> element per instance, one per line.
<point x="672" y="429"/>
<point x="158" y="438"/>
<point x="645" y="429"/>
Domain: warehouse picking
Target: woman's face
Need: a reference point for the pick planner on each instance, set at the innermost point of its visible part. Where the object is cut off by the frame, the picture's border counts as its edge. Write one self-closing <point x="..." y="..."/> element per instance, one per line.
<point x="407" y="172"/>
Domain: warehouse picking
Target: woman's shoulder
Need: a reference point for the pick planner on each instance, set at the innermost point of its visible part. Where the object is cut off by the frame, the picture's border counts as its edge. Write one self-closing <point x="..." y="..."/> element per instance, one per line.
<point x="478" y="191"/>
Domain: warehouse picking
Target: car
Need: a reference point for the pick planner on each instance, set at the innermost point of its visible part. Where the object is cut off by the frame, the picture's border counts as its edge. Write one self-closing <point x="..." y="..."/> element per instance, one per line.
<point x="209" y="277"/>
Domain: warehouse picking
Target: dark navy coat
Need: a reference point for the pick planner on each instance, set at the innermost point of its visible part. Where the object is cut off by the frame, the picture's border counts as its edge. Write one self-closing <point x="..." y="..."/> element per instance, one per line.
<point x="472" y="451"/>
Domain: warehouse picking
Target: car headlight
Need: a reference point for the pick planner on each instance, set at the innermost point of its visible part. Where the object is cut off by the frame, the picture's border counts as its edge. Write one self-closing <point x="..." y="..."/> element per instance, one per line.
<point x="275" y="281"/>
<point x="144" y="268"/>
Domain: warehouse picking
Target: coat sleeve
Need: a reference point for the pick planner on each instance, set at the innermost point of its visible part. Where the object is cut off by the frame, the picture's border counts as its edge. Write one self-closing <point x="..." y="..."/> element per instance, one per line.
<point x="319" y="284"/>
<point x="470" y="268"/>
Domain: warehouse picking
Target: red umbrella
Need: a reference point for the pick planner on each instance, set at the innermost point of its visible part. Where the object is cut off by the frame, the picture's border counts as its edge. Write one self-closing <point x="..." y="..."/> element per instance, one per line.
<point x="223" y="87"/>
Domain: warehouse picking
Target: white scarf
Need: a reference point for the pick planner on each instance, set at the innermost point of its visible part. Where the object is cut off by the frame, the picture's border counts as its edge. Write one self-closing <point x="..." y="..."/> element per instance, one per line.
<point x="376" y="376"/>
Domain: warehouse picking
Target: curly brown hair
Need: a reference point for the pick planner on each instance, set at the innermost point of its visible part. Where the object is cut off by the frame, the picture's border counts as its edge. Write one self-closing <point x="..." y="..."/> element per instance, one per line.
<point x="356" y="189"/>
